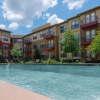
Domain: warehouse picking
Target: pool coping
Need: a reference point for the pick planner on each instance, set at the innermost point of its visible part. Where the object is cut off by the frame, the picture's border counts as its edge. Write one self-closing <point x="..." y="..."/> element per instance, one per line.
<point x="75" y="64"/>
<point x="12" y="92"/>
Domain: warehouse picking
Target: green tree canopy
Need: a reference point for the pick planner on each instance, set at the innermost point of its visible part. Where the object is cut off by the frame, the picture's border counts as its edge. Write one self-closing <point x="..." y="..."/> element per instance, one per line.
<point x="94" y="48"/>
<point x="36" y="54"/>
<point x="70" y="42"/>
<point x="16" y="51"/>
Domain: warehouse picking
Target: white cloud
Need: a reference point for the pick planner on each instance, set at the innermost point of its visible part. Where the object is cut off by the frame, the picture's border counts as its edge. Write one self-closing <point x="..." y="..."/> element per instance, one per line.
<point x="23" y="12"/>
<point x="44" y="16"/>
<point x="74" y="4"/>
<point x="54" y="19"/>
<point x="2" y="26"/>
<point x="47" y="14"/>
<point x="13" y="26"/>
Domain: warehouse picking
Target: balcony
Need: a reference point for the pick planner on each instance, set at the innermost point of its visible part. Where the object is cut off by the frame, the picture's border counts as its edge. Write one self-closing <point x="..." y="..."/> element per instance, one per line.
<point x="27" y="42"/>
<point x="89" y="22"/>
<point x="49" y="35"/>
<point x="27" y="51"/>
<point x="85" y="41"/>
<point x="49" y="47"/>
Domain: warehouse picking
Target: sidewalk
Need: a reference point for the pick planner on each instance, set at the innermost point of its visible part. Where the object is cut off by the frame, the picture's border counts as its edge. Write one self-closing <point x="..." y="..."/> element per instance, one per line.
<point x="11" y="92"/>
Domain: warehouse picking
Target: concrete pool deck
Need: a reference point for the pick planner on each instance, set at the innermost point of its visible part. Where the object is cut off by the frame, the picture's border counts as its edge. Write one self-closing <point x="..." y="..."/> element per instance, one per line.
<point x="12" y="92"/>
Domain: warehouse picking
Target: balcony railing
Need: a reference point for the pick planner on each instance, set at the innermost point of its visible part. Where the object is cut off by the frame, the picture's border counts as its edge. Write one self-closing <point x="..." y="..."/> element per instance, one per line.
<point x="49" y="35"/>
<point x="27" y="41"/>
<point x="89" y="22"/>
<point x="49" y="47"/>
<point x="85" y="41"/>
<point x="27" y="51"/>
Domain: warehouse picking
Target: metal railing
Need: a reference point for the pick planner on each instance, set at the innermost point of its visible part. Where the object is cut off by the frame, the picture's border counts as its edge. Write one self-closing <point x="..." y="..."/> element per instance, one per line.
<point x="85" y="39"/>
<point x="49" y="46"/>
<point x="27" y="40"/>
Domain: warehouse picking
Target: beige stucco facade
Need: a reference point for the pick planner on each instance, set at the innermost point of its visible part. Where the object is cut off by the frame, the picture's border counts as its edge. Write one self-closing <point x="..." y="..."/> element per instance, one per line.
<point x="75" y="23"/>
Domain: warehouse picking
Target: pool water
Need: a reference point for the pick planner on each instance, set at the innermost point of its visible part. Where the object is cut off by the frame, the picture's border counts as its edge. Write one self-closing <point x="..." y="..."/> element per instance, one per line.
<point x="60" y="82"/>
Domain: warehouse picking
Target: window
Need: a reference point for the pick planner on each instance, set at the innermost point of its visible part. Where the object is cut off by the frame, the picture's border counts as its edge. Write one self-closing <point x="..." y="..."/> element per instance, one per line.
<point x="19" y="40"/>
<point x="92" y="33"/>
<point x="51" y="31"/>
<point x="87" y="35"/>
<point x="76" y="54"/>
<point x="34" y="46"/>
<point x="90" y="18"/>
<point x="87" y="53"/>
<point x="62" y="29"/>
<point x="42" y="54"/>
<point x="5" y="56"/>
<point x="93" y="17"/>
<point x="5" y="37"/>
<point x="87" y="18"/>
<point x="5" y="46"/>
<point x="42" y="34"/>
<point x="42" y="45"/>
<point x="15" y="40"/>
<point x="63" y="55"/>
<point x="75" y="24"/>
<point x="61" y="45"/>
<point x="50" y="43"/>
<point x="77" y="37"/>
<point x="49" y="54"/>
<point x="34" y="36"/>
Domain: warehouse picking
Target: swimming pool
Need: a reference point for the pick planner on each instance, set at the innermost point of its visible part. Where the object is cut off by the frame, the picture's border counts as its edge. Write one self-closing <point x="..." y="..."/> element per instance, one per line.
<point x="60" y="82"/>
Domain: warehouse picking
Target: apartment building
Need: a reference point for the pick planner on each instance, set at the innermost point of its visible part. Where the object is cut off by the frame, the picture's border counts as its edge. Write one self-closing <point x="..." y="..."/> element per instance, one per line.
<point x="5" y="44"/>
<point x="45" y="39"/>
<point x="16" y="40"/>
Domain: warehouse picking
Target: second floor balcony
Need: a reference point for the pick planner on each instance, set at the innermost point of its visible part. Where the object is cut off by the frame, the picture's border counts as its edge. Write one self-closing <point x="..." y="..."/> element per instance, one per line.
<point x="27" y="50"/>
<point x="49" y="47"/>
<point x="85" y="41"/>
<point x="89" y="22"/>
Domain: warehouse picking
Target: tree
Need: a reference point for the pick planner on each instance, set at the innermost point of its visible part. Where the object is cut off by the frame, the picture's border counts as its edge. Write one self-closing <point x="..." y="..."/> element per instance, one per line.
<point x="36" y="54"/>
<point x="94" y="48"/>
<point x="0" y="53"/>
<point x="16" y="51"/>
<point x="69" y="42"/>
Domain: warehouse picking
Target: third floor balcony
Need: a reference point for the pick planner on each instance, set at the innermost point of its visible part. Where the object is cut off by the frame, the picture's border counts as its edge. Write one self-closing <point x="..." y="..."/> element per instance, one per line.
<point x="49" y="35"/>
<point x="89" y="22"/>
<point x="27" y="41"/>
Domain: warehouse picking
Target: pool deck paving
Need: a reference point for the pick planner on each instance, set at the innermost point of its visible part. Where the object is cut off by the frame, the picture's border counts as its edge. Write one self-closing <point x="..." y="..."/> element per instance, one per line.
<point x="12" y="92"/>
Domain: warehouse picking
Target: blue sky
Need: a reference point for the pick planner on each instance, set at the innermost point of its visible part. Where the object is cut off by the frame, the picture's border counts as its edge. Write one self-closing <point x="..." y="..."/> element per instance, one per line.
<point x="21" y="16"/>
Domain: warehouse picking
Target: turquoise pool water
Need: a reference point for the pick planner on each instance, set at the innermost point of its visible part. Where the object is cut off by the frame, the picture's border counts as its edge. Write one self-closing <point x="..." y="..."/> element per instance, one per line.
<point x="60" y="82"/>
